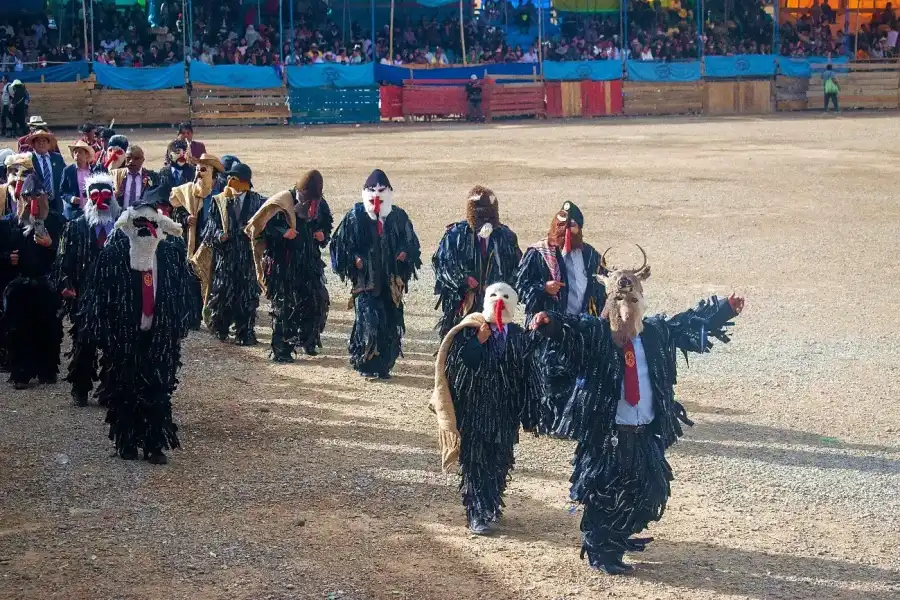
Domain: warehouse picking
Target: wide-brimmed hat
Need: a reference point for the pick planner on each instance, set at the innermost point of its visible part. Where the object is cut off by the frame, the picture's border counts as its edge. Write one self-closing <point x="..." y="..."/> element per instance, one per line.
<point x="211" y="161"/>
<point x="82" y="145"/>
<point x="37" y="121"/>
<point x="241" y="171"/>
<point x="39" y="134"/>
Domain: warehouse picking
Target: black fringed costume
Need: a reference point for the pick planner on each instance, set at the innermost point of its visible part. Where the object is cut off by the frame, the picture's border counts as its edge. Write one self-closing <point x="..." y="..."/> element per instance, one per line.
<point x="80" y="247"/>
<point x="295" y="280"/>
<point x="234" y="291"/>
<point x="32" y="319"/>
<point x="379" y="286"/>
<point x="461" y="255"/>
<point x="492" y="390"/>
<point x="556" y="371"/>
<point x="139" y="373"/>
<point x="620" y="472"/>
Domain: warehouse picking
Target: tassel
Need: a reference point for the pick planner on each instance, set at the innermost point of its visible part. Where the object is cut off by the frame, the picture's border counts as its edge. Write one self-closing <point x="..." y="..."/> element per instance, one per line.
<point x="567" y="247"/>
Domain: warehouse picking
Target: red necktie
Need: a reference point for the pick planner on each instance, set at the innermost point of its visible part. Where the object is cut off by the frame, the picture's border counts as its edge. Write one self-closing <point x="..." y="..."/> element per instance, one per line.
<point x="147" y="294"/>
<point x="313" y="209"/>
<point x="632" y="386"/>
<point x="484" y="246"/>
<point x="101" y="237"/>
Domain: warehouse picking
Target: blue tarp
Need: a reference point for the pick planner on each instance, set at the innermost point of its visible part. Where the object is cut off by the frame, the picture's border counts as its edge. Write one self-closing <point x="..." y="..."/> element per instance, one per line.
<point x="593" y="70"/>
<point x="640" y="70"/>
<point x="341" y="76"/>
<point x="396" y="75"/>
<point x="236" y="76"/>
<point x="741" y="65"/>
<point x="144" y="78"/>
<point x="802" y="67"/>
<point x="55" y="74"/>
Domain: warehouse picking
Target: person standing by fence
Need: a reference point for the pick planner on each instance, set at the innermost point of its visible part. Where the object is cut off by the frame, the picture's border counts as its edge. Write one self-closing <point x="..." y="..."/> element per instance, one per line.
<point x="832" y="88"/>
<point x="473" y="95"/>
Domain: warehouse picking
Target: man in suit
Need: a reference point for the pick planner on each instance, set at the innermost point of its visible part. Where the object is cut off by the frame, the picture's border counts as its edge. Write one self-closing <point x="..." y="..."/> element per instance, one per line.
<point x="48" y="166"/>
<point x="132" y="181"/>
<point x="71" y="189"/>
<point x="177" y="170"/>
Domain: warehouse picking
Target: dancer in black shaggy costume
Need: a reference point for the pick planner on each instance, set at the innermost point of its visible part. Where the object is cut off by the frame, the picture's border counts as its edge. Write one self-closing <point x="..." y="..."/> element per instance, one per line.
<point x="234" y="291"/>
<point x="560" y="273"/>
<point x="483" y="390"/>
<point x="376" y="248"/>
<point x="472" y="255"/>
<point x="135" y="310"/>
<point x="289" y="232"/>
<point x="623" y="412"/>
<point x="32" y="318"/>
<point x="82" y="242"/>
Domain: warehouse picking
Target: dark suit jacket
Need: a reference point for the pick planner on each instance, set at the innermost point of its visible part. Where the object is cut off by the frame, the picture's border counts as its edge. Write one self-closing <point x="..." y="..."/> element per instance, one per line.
<point x="68" y="189"/>
<point x="167" y="177"/>
<point x="57" y="164"/>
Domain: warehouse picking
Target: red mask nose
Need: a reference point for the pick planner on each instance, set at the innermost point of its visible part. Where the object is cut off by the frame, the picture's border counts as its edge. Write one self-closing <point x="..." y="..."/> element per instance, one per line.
<point x="376" y="201"/>
<point x="19" y="184"/>
<point x="499" y="307"/>
<point x="35" y="207"/>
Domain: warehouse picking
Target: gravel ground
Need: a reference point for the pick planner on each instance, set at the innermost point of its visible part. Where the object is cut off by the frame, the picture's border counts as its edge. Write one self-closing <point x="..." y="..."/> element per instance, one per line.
<point x="302" y="481"/>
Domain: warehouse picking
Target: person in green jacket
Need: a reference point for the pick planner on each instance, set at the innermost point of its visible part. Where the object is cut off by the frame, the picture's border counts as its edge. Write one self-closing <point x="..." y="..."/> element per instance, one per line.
<point x="832" y="88"/>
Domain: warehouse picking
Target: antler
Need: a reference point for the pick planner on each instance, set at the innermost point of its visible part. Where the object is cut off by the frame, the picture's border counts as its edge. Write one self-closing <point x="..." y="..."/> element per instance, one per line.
<point x="608" y="268"/>
<point x="603" y="259"/>
<point x="644" y="254"/>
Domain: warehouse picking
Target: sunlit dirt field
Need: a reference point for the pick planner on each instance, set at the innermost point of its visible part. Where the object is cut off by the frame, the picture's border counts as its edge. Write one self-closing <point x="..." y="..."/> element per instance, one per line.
<point x="304" y="481"/>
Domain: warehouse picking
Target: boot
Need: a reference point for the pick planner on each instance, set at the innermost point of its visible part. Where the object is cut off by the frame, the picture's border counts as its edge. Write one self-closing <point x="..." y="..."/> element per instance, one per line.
<point x="80" y="397"/>
<point x="156" y="458"/>
<point x="129" y="453"/>
<point x="247" y="339"/>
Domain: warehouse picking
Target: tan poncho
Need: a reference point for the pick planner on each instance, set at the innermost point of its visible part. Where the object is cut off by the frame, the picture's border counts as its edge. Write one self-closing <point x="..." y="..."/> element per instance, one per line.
<point x="281" y="202"/>
<point x="202" y="258"/>
<point x="441" y="399"/>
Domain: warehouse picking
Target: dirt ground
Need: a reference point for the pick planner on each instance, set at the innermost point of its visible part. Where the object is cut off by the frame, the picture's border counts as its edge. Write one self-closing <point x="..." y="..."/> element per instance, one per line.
<point x="304" y="481"/>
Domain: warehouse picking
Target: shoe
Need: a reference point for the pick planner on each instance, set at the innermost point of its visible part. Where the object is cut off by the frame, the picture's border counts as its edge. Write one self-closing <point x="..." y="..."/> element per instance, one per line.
<point x="613" y="568"/>
<point x="221" y="336"/>
<point x="21" y="385"/>
<point x="156" y="458"/>
<point x="311" y="350"/>
<point x="49" y="380"/>
<point x="384" y="376"/>
<point x="283" y="358"/>
<point x="247" y="340"/>
<point x="81" y="398"/>
<point x="129" y="454"/>
<point x="479" y="527"/>
<point x="365" y="375"/>
<point x="637" y="544"/>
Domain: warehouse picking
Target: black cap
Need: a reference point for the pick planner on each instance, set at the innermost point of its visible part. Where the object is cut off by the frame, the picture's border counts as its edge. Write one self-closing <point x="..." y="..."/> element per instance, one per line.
<point x="32" y="186"/>
<point x="106" y="133"/>
<point x="229" y="160"/>
<point x="153" y="197"/>
<point x="377" y="179"/>
<point x="178" y="144"/>
<point x="241" y="171"/>
<point x="573" y="212"/>
<point x="118" y="141"/>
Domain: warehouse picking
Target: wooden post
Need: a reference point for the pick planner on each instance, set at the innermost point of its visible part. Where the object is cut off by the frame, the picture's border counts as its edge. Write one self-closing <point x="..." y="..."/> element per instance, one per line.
<point x="391" y="37"/>
<point x="84" y="8"/>
<point x="462" y="34"/>
<point x="856" y="35"/>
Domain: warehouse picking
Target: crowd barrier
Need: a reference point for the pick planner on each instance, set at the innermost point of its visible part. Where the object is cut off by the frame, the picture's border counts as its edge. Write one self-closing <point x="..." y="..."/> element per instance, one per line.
<point x="244" y="95"/>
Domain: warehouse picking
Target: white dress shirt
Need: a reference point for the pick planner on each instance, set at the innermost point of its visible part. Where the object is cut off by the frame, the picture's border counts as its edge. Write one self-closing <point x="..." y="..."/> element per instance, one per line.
<point x="642" y="414"/>
<point x="576" y="281"/>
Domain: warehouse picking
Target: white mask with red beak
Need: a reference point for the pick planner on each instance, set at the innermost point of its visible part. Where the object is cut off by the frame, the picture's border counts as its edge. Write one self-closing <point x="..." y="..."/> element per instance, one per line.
<point x="500" y="304"/>
<point x="378" y="201"/>
<point x="101" y="206"/>
<point x="145" y="229"/>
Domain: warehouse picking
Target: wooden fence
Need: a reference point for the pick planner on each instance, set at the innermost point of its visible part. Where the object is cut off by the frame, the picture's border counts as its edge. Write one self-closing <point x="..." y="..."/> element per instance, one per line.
<point x="62" y="104"/>
<point x="212" y="105"/>
<point x="749" y="97"/>
<point x="662" y="98"/>
<point x="863" y="85"/>
<point x="157" y="107"/>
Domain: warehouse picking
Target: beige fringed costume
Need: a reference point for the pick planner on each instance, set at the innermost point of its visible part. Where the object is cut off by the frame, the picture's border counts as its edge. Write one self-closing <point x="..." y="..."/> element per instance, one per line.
<point x="281" y="202"/>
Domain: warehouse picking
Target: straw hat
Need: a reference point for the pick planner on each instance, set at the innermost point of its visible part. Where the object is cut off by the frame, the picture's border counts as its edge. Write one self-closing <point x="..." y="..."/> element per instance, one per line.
<point x="211" y="161"/>
<point x="41" y="133"/>
<point x="81" y="144"/>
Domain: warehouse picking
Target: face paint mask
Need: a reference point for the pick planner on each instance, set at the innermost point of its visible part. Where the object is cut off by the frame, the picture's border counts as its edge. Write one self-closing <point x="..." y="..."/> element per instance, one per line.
<point x="101" y="198"/>
<point x="112" y="157"/>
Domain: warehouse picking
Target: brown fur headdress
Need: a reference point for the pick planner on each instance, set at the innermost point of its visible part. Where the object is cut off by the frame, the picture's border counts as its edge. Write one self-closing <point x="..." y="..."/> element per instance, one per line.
<point x="482" y="207"/>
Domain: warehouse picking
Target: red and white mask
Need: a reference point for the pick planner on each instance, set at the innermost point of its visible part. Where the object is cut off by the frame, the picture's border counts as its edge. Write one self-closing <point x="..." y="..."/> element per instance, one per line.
<point x="114" y="158"/>
<point x="100" y="205"/>
<point x="500" y="304"/>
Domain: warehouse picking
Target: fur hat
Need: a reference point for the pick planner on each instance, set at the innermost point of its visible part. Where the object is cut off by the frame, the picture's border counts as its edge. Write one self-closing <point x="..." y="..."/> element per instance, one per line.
<point x="482" y="207"/>
<point x="310" y="185"/>
<point x="118" y="141"/>
<point x="377" y="179"/>
<point x="229" y="160"/>
<point x="32" y="186"/>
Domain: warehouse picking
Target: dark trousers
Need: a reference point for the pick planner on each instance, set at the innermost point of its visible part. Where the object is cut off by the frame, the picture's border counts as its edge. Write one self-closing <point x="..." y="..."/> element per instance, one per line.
<point x="241" y="315"/>
<point x="4" y="118"/>
<point x="833" y="97"/>
<point x="82" y="368"/>
<point x="297" y="326"/>
<point x="18" y="120"/>
<point x="475" y="113"/>
<point x="34" y="329"/>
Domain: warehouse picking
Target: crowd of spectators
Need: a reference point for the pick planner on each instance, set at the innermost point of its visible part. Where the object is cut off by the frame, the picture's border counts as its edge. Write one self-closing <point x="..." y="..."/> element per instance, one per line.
<point x="225" y="32"/>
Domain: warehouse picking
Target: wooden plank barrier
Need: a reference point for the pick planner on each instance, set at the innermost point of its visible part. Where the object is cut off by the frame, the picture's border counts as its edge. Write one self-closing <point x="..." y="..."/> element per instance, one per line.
<point x="652" y="98"/>
<point x="214" y="105"/>
<point x="513" y="100"/>
<point x="391" y="99"/>
<point x="62" y="104"/>
<point x="790" y="93"/>
<point x="863" y="85"/>
<point x="152" y="107"/>
<point x="601" y="98"/>
<point x="436" y="98"/>
<point x="747" y="97"/>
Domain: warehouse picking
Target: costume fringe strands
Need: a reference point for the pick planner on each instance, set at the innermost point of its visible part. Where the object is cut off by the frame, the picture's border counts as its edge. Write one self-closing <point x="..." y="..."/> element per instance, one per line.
<point x="379" y="286"/>
<point x="621" y="475"/>
<point x="139" y="368"/>
<point x="234" y="291"/>
<point x="460" y="256"/>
